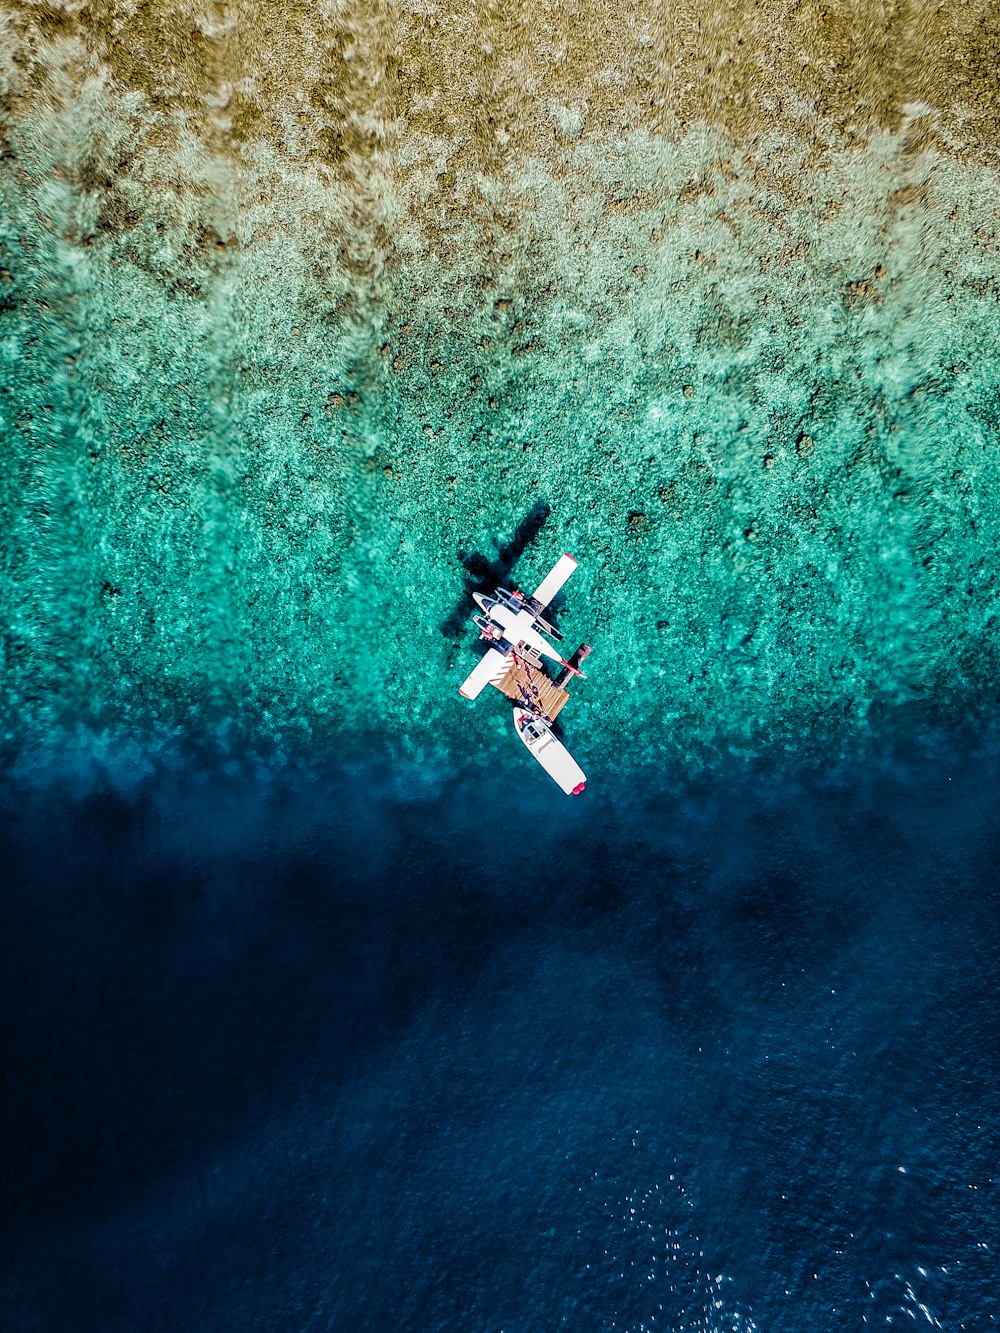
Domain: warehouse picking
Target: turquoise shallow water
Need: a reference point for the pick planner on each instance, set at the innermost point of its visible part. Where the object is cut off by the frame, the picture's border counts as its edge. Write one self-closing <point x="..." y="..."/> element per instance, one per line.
<point x="255" y="416"/>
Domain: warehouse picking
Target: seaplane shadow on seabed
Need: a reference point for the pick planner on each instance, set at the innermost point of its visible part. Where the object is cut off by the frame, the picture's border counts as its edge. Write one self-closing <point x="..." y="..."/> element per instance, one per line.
<point x="484" y="575"/>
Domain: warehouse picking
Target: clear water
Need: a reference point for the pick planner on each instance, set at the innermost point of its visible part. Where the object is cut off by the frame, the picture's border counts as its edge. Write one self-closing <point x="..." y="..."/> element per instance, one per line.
<point x="323" y="1008"/>
<point x="356" y="1053"/>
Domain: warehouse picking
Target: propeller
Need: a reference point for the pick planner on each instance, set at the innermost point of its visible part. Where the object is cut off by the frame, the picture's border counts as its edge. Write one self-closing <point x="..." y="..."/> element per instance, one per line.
<point x="547" y="628"/>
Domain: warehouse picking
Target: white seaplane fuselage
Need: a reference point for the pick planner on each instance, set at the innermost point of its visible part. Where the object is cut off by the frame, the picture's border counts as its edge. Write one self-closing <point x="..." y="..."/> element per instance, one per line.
<point x="516" y="626"/>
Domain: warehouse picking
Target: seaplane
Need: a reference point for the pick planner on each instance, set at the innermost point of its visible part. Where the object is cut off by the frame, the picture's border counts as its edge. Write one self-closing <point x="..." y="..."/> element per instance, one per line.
<point x="515" y="664"/>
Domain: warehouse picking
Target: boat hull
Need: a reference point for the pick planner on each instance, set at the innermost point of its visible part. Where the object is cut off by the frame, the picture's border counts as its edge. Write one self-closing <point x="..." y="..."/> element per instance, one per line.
<point x="537" y="737"/>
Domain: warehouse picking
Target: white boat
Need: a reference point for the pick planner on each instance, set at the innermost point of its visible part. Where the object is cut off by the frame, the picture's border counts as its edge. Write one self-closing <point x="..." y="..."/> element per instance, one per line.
<point x="550" y="753"/>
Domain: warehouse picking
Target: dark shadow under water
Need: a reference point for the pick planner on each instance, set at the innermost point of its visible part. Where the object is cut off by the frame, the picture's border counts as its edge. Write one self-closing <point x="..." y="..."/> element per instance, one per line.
<point x="485" y="573"/>
<point x="328" y="1053"/>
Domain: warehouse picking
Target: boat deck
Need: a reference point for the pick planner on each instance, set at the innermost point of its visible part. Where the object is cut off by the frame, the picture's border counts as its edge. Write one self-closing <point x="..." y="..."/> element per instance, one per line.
<point x="526" y="685"/>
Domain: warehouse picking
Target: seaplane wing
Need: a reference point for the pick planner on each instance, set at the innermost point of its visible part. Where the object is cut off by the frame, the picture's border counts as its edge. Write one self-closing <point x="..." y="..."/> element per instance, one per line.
<point x="487" y="671"/>
<point x="553" y="581"/>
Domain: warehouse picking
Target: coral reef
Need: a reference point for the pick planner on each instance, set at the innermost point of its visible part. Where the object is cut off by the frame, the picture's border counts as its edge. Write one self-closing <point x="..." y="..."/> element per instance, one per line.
<point x="300" y="303"/>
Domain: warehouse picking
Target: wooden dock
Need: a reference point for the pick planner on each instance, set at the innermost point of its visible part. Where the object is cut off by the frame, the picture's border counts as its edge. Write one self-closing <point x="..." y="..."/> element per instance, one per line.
<point x="526" y="685"/>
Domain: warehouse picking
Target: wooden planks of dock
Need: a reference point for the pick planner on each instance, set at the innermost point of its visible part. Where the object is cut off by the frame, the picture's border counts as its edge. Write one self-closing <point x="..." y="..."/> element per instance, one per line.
<point x="531" y="688"/>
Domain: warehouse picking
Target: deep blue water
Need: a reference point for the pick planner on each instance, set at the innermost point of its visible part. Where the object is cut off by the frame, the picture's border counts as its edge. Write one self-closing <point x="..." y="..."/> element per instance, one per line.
<point x="333" y="1051"/>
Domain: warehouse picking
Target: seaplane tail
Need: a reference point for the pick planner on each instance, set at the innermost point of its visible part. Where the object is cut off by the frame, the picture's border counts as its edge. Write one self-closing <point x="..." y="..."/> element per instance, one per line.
<point x="550" y="753"/>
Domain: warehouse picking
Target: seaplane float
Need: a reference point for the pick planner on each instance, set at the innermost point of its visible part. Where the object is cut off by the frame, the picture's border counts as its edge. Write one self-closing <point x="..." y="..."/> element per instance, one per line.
<point x="514" y="664"/>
